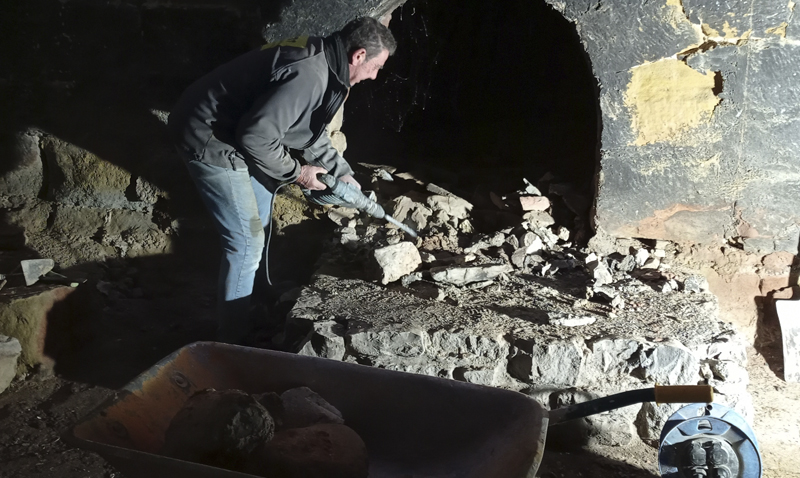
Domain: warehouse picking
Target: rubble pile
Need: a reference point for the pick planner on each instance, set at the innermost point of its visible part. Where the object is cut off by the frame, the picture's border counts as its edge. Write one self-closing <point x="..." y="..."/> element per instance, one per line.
<point x="294" y="434"/>
<point x="524" y="307"/>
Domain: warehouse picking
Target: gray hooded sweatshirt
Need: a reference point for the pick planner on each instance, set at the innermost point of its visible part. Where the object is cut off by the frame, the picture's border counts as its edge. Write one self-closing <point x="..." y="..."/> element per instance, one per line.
<point x="253" y="109"/>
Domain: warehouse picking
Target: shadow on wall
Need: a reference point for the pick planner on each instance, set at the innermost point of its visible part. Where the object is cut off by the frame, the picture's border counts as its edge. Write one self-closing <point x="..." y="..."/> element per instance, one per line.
<point x="481" y="92"/>
<point x="96" y="75"/>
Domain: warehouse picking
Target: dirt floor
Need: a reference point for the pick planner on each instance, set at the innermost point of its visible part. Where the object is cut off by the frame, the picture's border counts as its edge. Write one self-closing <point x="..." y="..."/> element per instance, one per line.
<point x="153" y="308"/>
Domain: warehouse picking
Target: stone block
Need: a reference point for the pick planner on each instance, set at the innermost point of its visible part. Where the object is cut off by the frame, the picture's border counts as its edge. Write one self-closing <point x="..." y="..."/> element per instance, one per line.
<point x="534" y="203"/>
<point x="607" y="357"/>
<point x="472" y="348"/>
<point x="557" y="363"/>
<point x="372" y="343"/>
<point x="10" y="350"/>
<point x="395" y="261"/>
<point x="40" y="318"/>
<point x="670" y="363"/>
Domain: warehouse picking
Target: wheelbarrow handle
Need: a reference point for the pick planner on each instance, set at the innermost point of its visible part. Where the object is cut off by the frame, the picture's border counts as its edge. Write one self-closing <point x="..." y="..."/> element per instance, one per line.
<point x="684" y="394"/>
<point x="658" y="394"/>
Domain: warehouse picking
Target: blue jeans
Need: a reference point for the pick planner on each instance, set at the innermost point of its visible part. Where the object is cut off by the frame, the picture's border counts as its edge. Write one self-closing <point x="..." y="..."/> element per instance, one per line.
<point x="240" y="207"/>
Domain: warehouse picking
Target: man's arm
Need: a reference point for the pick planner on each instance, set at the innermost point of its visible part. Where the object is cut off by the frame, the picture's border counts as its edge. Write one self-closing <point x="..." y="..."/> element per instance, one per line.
<point x="261" y="130"/>
<point x="323" y="154"/>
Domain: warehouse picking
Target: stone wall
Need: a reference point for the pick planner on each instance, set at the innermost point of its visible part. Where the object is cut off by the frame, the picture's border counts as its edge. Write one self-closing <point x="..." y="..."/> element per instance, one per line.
<point x="699" y="119"/>
<point x="699" y="139"/>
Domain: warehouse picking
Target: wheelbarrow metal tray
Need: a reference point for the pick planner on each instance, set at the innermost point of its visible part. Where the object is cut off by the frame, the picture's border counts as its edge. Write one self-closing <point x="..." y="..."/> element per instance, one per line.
<point x="414" y="426"/>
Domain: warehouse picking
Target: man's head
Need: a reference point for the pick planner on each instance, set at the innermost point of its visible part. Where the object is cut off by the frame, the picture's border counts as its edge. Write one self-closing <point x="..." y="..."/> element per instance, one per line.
<point x="369" y="44"/>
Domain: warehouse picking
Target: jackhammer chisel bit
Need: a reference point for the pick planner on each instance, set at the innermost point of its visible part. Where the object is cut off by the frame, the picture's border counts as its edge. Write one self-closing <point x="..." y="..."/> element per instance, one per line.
<point x="356" y="199"/>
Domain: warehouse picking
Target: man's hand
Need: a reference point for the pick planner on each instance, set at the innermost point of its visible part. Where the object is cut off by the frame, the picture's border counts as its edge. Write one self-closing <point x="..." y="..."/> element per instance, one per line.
<point x="308" y="178"/>
<point x="349" y="180"/>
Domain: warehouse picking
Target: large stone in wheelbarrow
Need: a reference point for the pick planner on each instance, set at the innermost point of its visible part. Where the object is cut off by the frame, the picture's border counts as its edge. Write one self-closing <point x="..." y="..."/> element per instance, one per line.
<point x="329" y="450"/>
<point x="218" y="428"/>
<point x="303" y="407"/>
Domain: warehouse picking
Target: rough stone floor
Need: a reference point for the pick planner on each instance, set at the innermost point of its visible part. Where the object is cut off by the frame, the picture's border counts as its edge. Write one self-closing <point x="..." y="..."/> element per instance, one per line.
<point x="520" y="305"/>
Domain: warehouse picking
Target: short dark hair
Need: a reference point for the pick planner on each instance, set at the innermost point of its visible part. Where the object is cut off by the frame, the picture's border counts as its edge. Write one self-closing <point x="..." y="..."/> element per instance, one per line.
<point x="369" y="34"/>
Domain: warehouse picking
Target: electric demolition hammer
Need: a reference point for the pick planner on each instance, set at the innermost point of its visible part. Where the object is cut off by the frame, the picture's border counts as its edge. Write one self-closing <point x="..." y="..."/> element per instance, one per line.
<point x="356" y="199"/>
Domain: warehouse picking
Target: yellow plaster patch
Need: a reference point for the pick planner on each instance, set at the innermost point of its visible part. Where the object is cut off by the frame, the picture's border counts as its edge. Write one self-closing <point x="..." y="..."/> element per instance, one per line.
<point x="780" y="30"/>
<point x="791" y="6"/>
<point x="730" y="32"/>
<point x="667" y="98"/>
<point x="675" y="3"/>
<point x="708" y="31"/>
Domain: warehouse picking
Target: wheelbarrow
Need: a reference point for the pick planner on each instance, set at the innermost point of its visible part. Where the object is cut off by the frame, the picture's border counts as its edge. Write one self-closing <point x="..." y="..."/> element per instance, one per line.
<point x="413" y="425"/>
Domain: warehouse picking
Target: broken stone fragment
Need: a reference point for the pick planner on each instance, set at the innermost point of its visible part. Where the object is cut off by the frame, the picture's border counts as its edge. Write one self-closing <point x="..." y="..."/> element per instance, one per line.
<point x="342" y="215"/>
<point x="641" y="257"/>
<point x="518" y="257"/>
<point x="347" y="235"/>
<point x="530" y="188"/>
<point x="627" y="264"/>
<point x="603" y="292"/>
<point x="326" y="340"/>
<point x="602" y="275"/>
<point x="527" y="239"/>
<point x="10" y="350"/>
<point x="695" y="284"/>
<point x="563" y="233"/>
<point x="396" y="260"/>
<point x="592" y="261"/>
<point x="453" y="206"/>
<point x="535" y="246"/>
<point x="547" y="236"/>
<point x="318" y="451"/>
<point x="548" y="269"/>
<point x="512" y="241"/>
<point x="669" y="363"/>
<point x="409" y="279"/>
<point x="218" y="428"/>
<point x="303" y="407"/>
<point x="538" y="219"/>
<point x="484" y="241"/>
<point x="465" y="226"/>
<point x="465" y="275"/>
<point x="534" y="203"/>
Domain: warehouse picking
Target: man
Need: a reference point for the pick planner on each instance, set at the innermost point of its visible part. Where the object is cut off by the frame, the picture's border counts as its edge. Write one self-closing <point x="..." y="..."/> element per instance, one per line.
<point x="234" y="128"/>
